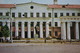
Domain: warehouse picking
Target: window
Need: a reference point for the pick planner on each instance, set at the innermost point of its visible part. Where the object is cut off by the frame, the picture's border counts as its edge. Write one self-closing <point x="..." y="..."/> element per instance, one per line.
<point x="44" y="23"/>
<point x="43" y="14"/>
<point x="19" y="14"/>
<point x="31" y="14"/>
<point x="67" y="14"/>
<point x="37" y="15"/>
<point x="50" y="33"/>
<point x="26" y="24"/>
<point x="19" y="24"/>
<point x="25" y="14"/>
<point x="7" y="13"/>
<point x="13" y="34"/>
<point x="49" y="14"/>
<point x="55" y="14"/>
<point x="73" y="14"/>
<point x="56" y="24"/>
<point x="56" y="33"/>
<point x="19" y="33"/>
<point x="32" y="24"/>
<point x="38" y="24"/>
<point x="78" y="14"/>
<point x="31" y="7"/>
<point x="13" y="24"/>
<point x="0" y="23"/>
<point x="50" y="24"/>
<point x="13" y="14"/>
<point x="1" y="14"/>
<point x="61" y="14"/>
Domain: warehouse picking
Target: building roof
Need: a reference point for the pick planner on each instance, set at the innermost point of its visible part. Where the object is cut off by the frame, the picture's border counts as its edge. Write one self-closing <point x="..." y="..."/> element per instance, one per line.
<point x="64" y="6"/>
<point x="7" y="5"/>
<point x="50" y="6"/>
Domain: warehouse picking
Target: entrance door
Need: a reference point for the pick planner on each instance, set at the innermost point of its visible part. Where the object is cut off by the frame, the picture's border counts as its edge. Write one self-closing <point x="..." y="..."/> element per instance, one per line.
<point x="44" y="34"/>
<point x="32" y="34"/>
<point x="73" y="30"/>
<point x="26" y="36"/>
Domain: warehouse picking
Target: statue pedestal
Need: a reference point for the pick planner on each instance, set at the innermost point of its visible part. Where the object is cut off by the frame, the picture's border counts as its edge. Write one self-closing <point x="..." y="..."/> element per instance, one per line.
<point x="36" y="36"/>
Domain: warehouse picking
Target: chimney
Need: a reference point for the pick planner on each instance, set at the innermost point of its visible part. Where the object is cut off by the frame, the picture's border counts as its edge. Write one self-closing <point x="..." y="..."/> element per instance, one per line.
<point x="55" y="1"/>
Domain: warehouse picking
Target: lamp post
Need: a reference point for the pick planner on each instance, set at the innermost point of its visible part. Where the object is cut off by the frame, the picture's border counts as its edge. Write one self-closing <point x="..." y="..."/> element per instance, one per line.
<point x="11" y="40"/>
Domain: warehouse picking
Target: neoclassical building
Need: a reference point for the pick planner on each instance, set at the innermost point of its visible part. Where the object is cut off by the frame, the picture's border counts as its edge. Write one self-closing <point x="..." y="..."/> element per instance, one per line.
<point x="55" y="20"/>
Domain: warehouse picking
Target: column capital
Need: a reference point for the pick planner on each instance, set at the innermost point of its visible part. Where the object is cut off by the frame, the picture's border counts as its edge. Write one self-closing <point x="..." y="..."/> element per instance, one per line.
<point x="47" y="22"/>
<point x="29" y="22"/>
<point x="41" y="22"/>
<point x="77" y="22"/>
<point x="8" y="21"/>
<point x="16" y="22"/>
<point x="22" y="22"/>
<point x="68" y="22"/>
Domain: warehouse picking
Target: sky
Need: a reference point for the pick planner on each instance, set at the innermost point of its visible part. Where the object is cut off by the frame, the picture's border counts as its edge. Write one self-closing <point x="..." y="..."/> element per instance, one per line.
<point x="40" y="1"/>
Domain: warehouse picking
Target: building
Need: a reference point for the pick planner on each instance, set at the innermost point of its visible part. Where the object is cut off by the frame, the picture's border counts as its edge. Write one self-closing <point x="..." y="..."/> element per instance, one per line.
<point x="58" y="21"/>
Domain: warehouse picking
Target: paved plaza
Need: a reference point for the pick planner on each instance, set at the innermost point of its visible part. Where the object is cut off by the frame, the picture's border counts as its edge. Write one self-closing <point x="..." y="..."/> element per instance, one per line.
<point x="39" y="48"/>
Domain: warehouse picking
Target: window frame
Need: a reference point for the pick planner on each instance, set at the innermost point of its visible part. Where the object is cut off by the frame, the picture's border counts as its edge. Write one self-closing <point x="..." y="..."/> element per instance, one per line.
<point x="78" y="14"/>
<point x="55" y="15"/>
<point x="19" y="14"/>
<point x="1" y="14"/>
<point x="73" y="14"/>
<point x="25" y="14"/>
<point x="43" y="15"/>
<point x="37" y="14"/>
<point x="67" y="14"/>
<point x="56" y="24"/>
<point x="49" y="15"/>
<point x="13" y="14"/>
<point x="7" y="13"/>
<point x="61" y="14"/>
<point x="31" y="14"/>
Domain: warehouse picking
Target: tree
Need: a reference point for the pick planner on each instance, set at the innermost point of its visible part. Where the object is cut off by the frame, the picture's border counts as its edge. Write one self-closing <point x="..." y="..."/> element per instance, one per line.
<point x="5" y="31"/>
<point x="0" y="34"/>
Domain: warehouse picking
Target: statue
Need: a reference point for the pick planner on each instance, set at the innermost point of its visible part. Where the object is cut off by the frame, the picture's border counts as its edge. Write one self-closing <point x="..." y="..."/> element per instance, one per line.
<point x="36" y="32"/>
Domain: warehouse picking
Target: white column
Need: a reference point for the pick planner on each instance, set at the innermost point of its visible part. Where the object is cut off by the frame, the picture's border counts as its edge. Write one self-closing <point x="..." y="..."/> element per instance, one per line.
<point x="16" y="30"/>
<point x="23" y="34"/>
<point x="47" y="29"/>
<point x="41" y="30"/>
<point x="29" y="30"/>
<point x="8" y="24"/>
<point x="34" y="28"/>
<point x="4" y="23"/>
<point x="63" y="31"/>
<point x="68" y="31"/>
<point x="77" y="31"/>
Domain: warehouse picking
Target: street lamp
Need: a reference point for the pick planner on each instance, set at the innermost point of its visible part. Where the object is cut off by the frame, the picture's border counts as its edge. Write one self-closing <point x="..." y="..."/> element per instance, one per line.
<point x="11" y="40"/>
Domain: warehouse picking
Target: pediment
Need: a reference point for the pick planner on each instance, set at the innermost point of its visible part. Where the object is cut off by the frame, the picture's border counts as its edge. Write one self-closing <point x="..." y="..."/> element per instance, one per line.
<point x="31" y="3"/>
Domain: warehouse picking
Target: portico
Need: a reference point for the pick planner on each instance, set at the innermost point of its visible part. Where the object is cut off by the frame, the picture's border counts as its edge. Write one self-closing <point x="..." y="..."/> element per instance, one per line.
<point x="70" y="28"/>
<point x="31" y="29"/>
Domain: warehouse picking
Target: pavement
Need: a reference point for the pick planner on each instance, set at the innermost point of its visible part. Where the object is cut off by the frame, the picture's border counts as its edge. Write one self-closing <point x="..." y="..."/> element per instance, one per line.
<point x="25" y="44"/>
<point x="39" y="48"/>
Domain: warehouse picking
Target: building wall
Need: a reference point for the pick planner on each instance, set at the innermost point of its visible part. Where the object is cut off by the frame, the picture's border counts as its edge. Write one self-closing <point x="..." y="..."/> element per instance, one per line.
<point x="42" y="8"/>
